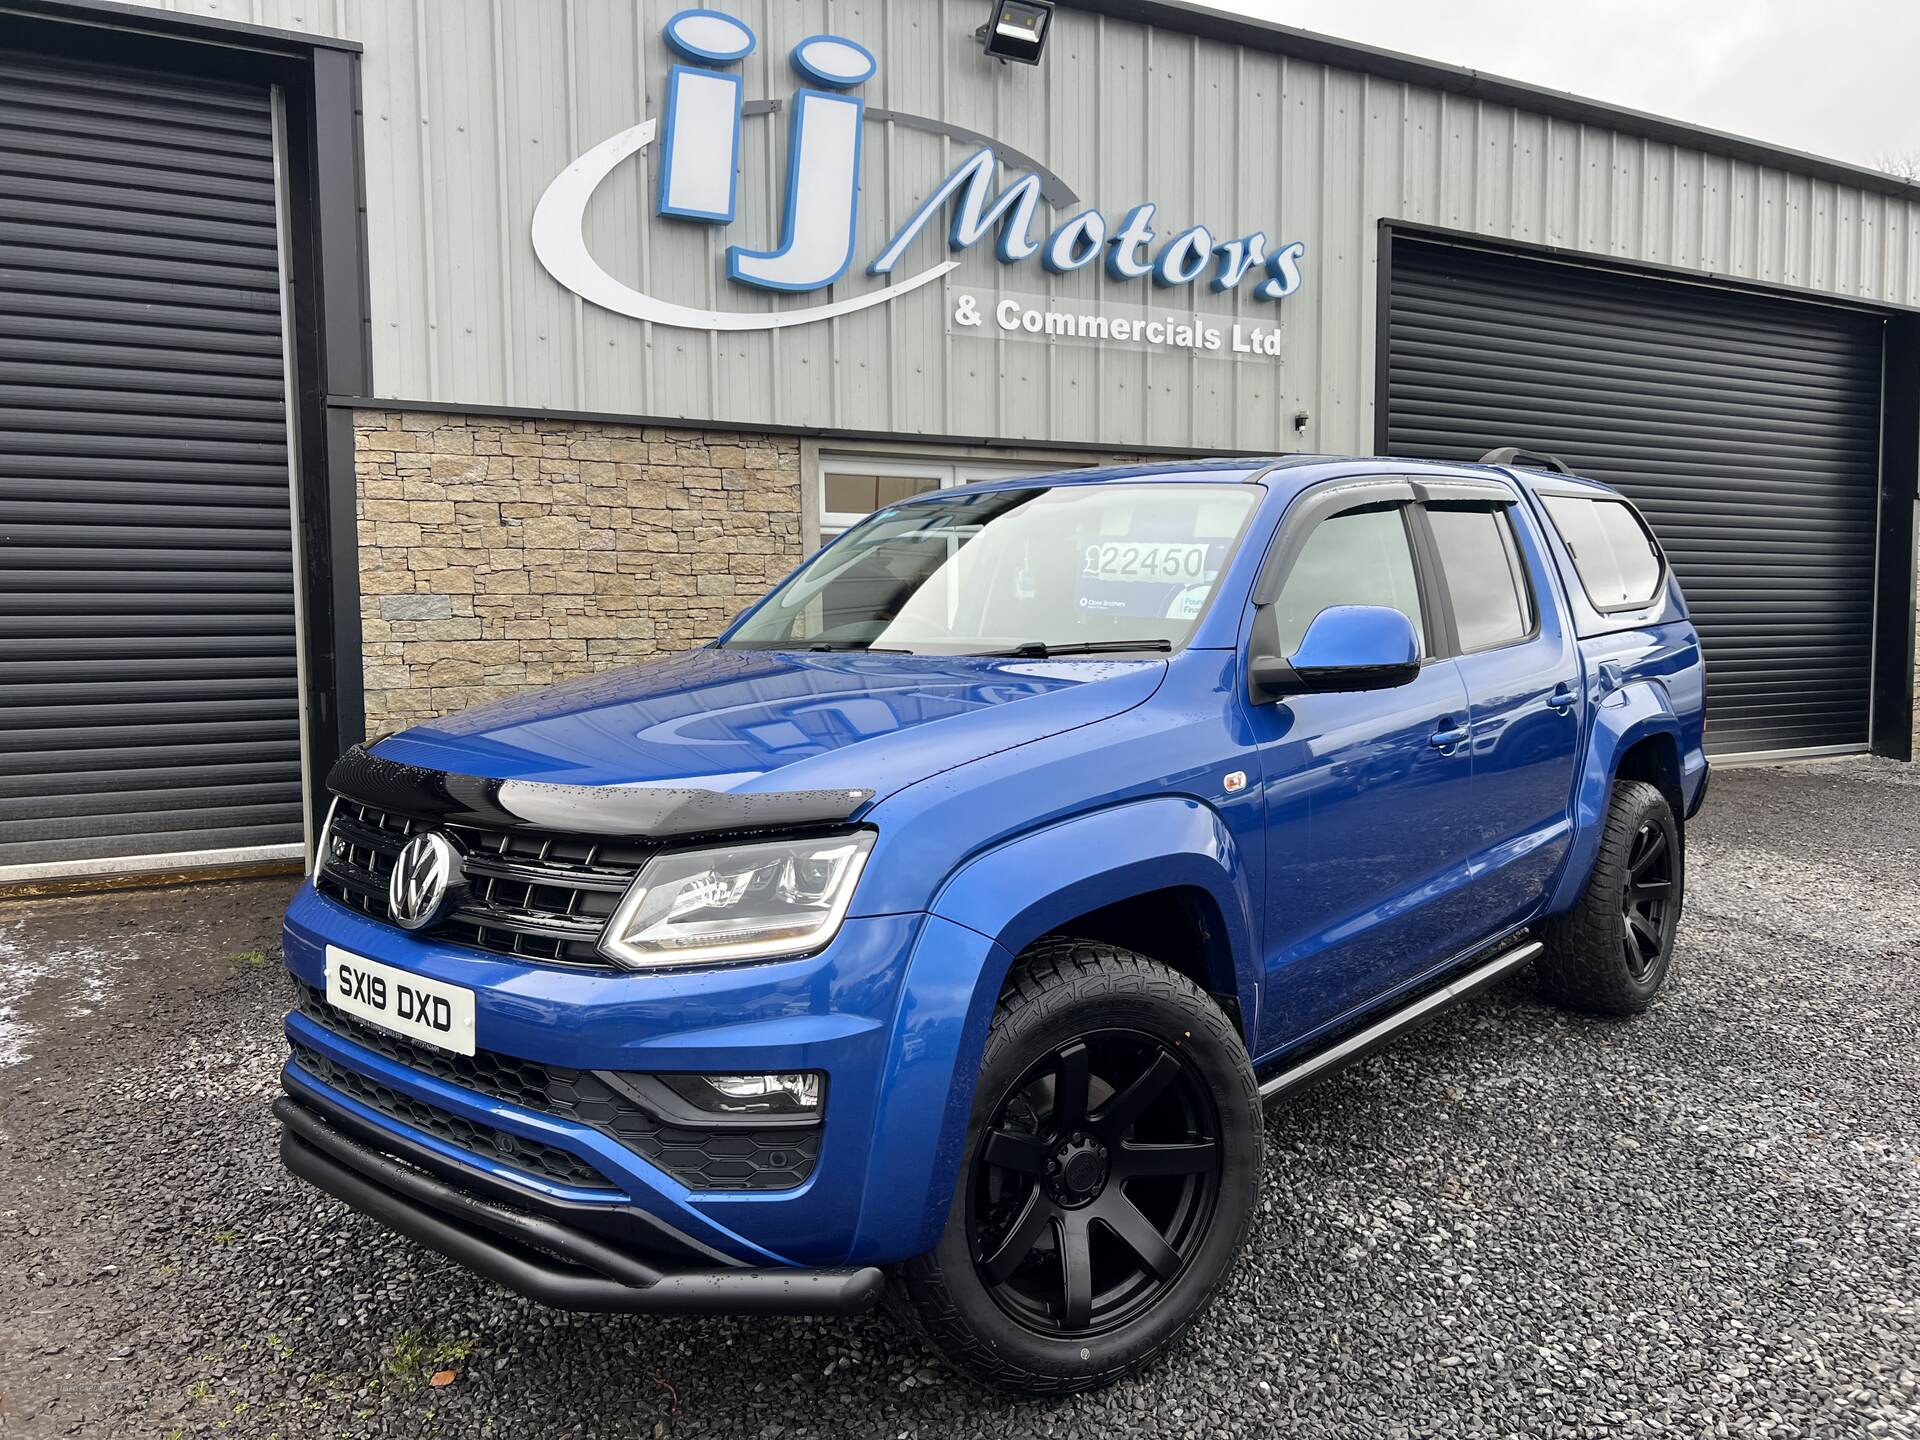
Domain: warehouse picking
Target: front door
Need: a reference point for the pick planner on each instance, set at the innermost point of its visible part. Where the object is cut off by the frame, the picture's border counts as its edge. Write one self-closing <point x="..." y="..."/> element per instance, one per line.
<point x="1370" y="830"/>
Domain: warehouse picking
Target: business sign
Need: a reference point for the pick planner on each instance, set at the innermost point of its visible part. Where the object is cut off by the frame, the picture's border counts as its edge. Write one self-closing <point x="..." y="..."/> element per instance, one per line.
<point x="1059" y="319"/>
<point x="699" y="167"/>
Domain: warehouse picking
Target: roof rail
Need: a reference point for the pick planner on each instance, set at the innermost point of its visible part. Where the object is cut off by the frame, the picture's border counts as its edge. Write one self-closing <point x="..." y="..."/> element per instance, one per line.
<point x="1526" y="459"/>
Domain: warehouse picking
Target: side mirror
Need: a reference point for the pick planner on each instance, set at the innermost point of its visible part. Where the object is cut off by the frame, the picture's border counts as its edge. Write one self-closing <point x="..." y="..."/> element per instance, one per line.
<point x="1346" y="648"/>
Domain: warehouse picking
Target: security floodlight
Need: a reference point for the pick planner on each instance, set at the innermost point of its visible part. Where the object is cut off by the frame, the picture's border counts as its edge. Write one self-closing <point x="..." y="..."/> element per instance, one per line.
<point x="1017" y="30"/>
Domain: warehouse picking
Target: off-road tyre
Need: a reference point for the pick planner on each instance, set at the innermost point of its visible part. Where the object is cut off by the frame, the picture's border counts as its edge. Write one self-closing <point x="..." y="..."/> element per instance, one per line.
<point x="1597" y="958"/>
<point x="1059" y="993"/>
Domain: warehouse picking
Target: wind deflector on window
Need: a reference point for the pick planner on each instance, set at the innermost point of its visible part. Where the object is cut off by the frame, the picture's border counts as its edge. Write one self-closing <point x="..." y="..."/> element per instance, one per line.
<point x="652" y="811"/>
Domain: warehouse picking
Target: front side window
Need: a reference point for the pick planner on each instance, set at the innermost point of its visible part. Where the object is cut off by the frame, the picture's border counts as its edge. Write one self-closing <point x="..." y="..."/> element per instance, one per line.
<point x="1360" y="558"/>
<point x="1617" y="560"/>
<point x="1492" y="602"/>
<point x="1039" y="567"/>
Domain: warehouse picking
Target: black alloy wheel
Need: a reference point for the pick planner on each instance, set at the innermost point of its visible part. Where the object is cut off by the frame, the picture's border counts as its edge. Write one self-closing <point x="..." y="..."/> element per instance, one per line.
<point x="1644" y="899"/>
<point x="1094" y="1183"/>
<point x="1609" y="954"/>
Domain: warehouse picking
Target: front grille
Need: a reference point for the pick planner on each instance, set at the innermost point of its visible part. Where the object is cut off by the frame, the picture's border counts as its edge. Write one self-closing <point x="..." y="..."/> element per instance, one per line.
<point x="530" y="1156"/>
<point x="531" y="895"/>
<point x="773" y="1159"/>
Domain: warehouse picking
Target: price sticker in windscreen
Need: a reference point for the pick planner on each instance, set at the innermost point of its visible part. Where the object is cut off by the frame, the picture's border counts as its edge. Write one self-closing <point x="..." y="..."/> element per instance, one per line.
<point x="1169" y="562"/>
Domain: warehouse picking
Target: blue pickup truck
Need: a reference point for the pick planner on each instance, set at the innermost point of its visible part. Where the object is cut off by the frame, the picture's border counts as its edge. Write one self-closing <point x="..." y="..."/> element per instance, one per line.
<point x="940" y="930"/>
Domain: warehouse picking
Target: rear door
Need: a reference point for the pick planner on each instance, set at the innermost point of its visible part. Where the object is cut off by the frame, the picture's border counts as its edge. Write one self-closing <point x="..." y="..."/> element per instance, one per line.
<point x="1518" y="660"/>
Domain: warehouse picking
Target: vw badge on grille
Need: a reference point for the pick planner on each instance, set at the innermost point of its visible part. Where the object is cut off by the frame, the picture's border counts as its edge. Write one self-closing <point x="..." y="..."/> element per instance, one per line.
<point x="424" y="873"/>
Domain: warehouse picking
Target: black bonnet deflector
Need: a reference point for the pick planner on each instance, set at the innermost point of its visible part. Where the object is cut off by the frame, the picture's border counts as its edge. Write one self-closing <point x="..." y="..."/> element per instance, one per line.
<point x="636" y="811"/>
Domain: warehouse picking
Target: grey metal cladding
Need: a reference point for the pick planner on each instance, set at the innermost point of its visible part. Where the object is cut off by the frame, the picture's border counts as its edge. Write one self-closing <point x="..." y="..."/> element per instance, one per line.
<point x="473" y="106"/>
<point x="1745" y="427"/>
<point x="148" y="697"/>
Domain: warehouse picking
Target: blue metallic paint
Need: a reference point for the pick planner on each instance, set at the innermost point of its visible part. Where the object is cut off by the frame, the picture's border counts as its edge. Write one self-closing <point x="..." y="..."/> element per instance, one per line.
<point x="1523" y="747"/>
<point x="766" y="720"/>
<point x="1622" y="717"/>
<point x="1349" y="781"/>
<point x="1011" y="796"/>
<point x="831" y="1011"/>
<point x="1170" y="752"/>
<point x="938" y="1033"/>
<point x="1039" y="881"/>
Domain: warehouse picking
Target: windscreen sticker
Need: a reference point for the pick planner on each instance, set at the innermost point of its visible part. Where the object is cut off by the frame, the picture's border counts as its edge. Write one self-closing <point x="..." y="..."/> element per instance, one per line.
<point x="1162" y="579"/>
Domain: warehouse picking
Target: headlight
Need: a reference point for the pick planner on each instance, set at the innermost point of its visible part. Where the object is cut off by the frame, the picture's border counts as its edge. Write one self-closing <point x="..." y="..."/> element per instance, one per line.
<point x="737" y="902"/>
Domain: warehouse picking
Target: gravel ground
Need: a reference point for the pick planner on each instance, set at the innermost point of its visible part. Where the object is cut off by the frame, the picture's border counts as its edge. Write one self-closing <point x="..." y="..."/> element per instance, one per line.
<point x="1518" y="1222"/>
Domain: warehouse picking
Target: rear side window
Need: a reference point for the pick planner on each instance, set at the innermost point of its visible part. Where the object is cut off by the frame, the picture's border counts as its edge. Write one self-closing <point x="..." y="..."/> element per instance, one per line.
<point x="1360" y="558"/>
<point x="1618" y="563"/>
<point x="1492" y="602"/>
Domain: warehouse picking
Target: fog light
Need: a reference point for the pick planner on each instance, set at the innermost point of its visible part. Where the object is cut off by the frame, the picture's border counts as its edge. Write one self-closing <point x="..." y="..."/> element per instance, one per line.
<point x="790" y="1093"/>
<point x="1017" y="30"/>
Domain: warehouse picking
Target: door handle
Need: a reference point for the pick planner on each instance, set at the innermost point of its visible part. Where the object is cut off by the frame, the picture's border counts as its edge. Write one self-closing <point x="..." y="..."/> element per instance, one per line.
<point x="1448" y="735"/>
<point x="1562" y="697"/>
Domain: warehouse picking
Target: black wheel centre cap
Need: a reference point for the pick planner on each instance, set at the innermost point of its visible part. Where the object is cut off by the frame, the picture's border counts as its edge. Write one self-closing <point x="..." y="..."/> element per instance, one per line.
<point x="1077" y="1172"/>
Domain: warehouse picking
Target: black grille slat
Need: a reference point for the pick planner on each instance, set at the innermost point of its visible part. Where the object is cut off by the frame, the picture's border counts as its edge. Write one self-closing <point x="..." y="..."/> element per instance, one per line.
<point x="531" y="1156"/>
<point x="777" y="1159"/>
<point x="531" y="895"/>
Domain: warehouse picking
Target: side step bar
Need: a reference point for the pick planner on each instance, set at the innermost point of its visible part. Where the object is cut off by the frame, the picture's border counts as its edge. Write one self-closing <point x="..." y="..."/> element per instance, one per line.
<point x="1365" y="1042"/>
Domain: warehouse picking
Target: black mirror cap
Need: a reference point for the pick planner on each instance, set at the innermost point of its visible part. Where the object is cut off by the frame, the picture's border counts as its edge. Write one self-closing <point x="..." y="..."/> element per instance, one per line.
<point x="1341" y="679"/>
<point x="1270" y="678"/>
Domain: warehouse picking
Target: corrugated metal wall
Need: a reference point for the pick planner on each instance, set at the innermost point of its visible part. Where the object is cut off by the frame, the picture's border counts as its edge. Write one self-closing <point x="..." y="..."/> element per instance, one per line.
<point x="476" y="104"/>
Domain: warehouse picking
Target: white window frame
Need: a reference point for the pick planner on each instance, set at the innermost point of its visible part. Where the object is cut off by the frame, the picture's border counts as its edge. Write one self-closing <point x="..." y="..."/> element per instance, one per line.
<point x="945" y="469"/>
<point x="832" y="522"/>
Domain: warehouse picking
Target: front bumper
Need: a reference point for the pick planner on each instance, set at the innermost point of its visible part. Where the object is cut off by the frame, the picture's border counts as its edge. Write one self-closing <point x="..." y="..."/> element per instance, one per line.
<point x="541" y="1257"/>
<point x="892" y="1012"/>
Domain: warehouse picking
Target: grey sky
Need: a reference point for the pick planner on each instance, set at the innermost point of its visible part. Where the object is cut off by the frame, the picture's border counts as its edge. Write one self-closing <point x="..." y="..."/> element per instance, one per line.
<point x="1835" y="78"/>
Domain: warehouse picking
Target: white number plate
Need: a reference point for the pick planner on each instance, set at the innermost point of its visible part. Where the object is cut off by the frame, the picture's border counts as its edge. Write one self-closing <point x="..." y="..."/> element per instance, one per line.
<point x="1130" y="560"/>
<point x="398" y="1000"/>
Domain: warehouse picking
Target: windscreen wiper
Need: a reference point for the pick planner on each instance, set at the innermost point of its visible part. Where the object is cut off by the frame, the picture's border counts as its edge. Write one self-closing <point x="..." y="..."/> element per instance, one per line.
<point x="1040" y="650"/>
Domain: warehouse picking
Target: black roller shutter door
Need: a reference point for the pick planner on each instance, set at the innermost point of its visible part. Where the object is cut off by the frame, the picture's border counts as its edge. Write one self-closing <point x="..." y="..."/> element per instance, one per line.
<point x="1746" y="427"/>
<point x="148" y="694"/>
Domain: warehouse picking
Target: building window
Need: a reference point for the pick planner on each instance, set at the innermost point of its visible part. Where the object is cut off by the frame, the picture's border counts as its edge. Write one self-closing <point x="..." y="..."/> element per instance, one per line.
<point x="852" y="487"/>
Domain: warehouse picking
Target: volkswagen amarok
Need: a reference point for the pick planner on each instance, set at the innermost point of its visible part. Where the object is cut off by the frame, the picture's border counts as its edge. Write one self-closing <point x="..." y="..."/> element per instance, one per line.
<point x="941" y="928"/>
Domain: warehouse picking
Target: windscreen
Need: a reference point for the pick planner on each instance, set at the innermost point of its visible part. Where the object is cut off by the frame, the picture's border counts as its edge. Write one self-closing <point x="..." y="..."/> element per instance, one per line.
<point x="1047" y="567"/>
